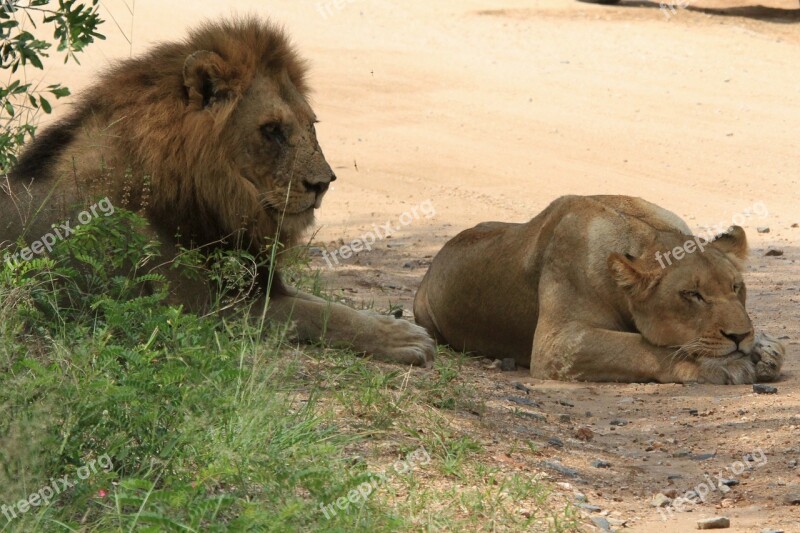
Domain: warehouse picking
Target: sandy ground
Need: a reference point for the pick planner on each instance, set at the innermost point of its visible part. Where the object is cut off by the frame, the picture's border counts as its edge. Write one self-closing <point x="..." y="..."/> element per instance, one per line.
<point x="488" y="110"/>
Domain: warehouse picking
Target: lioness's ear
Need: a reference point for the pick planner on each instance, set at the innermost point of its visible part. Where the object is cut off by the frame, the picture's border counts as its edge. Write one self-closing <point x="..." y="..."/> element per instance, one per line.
<point x="732" y="243"/>
<point x="203" y="77"/>
<point x="630" y="276"/>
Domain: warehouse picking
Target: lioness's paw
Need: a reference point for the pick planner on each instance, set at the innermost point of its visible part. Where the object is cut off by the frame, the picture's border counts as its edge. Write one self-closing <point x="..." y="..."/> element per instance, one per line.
<point x="767" y="355"/>
<point x="400" y="341"/>
<point x="734" y="369"/>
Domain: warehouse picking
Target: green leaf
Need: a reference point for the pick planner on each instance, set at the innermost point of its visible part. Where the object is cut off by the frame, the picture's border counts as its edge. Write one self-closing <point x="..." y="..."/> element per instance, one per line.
<point x="45" y="105"/>
<point x="59" y="91"/>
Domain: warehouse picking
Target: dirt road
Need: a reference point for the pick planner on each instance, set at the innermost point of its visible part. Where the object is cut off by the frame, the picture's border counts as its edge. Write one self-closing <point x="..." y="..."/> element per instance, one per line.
<point x="489" y="109"/>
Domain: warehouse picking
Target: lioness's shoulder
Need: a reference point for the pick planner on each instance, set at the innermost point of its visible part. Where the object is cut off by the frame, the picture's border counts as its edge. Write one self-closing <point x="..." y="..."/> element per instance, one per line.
<point x="632" y="208"/>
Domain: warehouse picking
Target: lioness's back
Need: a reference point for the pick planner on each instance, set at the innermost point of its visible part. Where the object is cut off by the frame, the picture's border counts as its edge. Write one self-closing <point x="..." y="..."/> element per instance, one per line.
<point x="503" y="263"/>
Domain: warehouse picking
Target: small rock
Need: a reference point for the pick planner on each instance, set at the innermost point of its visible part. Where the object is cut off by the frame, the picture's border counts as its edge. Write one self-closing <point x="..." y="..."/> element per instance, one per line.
<point x="729" y="482"/>
<point x="760" y="388"/>
<point x="617" y="522"/>
<point x="660" y="500"/>
<point x="796" y="225"/>
<point x="768" y="530"/>
<point x="703" y="456"/>
<point x="681" y="453"/>
<point x="563" y="485"/>
<point x="508" y="365"/>
<point x="561" y="469"/>
<point x="523" y="401"/>
<point x="793" y="498"/>
<point x="581" y="498"/>
<point x="693" y="412"/>
<point x="589" y="507"/>
<point x="602" y="523"/>
<point x="565" y="403"/>
<point x="599" y="463"/>
<point x="556" y="442"/>
<point x="408" y="265"/>
<point x="536" y="416"/>
<point x="774" y="252"/>
<point x="762" y="229"/>
<point x="523" y="388"/>
<point x="719" y="522"/>
<point x="619" y="422"/>
<point x="670" y="493"/>
<point x="584" y="434"/>
<point x="315" y="251"/>
<point x="564" y="418"/>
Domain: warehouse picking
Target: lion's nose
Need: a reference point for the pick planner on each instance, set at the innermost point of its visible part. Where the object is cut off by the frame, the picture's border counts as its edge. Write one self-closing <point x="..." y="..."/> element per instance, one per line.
<point x="735" y="337"/>
<point x="317" y="188"/>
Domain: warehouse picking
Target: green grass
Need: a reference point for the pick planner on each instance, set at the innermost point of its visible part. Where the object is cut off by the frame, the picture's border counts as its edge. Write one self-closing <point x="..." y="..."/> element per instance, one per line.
<point x="215" y="424"/>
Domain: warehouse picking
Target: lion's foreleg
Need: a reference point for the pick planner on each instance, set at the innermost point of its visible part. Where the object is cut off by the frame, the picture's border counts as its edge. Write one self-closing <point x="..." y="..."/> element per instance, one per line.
<point x="383" y="337"/>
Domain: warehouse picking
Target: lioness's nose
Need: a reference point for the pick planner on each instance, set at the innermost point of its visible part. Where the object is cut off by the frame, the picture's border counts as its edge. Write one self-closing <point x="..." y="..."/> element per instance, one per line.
<point x="735" y="337"/>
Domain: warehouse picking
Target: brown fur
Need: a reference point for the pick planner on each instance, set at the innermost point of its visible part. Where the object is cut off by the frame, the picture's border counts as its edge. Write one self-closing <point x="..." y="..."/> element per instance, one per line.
<point x="212" y="139"/>
<point x="578" y="292"/>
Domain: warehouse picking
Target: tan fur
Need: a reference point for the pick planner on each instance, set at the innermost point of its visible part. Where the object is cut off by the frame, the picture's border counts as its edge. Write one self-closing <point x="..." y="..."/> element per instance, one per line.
<point x="211" y="138"/>
<point x="578" y="293"/>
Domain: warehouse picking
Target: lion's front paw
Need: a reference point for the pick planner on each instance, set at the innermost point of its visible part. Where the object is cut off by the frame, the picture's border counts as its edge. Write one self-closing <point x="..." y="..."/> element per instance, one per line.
<point x="767" y="355"/>
<point x="400" y="341"/>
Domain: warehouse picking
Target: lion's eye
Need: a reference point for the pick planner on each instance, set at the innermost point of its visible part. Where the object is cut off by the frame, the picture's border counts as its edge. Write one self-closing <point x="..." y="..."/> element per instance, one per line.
<point x="692" y="296"/>
<point x="737" y="287"/>
<point x="273" y="131"/>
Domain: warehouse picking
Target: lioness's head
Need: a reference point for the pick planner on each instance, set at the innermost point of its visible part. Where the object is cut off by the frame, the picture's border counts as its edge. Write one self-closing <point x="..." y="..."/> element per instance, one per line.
<point x="688" y="292"/>
<point x="252" y="128"/>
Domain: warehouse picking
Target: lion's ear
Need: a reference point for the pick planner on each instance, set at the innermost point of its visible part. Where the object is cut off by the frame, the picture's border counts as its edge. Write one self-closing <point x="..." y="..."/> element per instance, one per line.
<point x="203" y="77"/>
<point x="635" y="280"/>
<point x="733" y="243"/>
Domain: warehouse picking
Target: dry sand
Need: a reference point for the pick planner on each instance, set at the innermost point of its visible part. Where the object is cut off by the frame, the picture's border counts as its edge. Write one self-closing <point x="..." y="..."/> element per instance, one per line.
<point x="490" y="109"/>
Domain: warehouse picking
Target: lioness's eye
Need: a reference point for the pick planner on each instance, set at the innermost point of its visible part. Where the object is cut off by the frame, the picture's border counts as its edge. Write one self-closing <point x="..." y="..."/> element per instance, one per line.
<point x="737" y="287"/>
<point x="692" y="296"/>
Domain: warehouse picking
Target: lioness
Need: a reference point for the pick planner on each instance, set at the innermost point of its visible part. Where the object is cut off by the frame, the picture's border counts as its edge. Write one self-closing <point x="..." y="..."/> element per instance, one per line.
<point x="213" y="140"/>
<point x="579" y="292"/>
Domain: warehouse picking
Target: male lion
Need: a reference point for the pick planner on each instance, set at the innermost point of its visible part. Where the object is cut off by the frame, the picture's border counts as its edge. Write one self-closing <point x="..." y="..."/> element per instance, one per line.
<point x="578" y="292"/>
<point x="213" y="140"/>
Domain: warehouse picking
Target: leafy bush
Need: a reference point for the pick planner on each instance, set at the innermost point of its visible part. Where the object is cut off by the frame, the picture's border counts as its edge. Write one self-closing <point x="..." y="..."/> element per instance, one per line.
<point x="74" y="26"/>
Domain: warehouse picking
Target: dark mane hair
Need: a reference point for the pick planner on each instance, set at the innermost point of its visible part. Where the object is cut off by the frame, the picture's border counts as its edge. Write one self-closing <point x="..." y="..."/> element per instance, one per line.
<point x="163" y="130"/>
